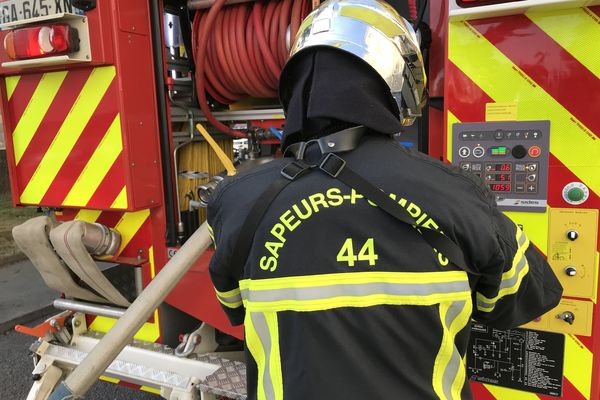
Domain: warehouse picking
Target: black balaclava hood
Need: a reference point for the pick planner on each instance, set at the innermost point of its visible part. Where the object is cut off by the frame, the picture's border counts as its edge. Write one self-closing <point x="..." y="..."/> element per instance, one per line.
<point x="330" y="90"/>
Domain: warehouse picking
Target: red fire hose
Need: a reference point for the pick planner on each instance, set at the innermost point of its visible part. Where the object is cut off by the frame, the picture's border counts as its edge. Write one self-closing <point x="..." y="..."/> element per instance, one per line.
<point x="240" y="50"/>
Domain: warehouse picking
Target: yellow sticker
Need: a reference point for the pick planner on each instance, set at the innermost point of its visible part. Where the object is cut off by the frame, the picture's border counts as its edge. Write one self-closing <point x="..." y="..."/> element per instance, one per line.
<point x="501" y="112"/>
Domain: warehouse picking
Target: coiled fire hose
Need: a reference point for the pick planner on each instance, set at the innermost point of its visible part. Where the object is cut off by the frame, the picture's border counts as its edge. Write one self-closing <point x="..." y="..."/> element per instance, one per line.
<point x="239" y="50"/>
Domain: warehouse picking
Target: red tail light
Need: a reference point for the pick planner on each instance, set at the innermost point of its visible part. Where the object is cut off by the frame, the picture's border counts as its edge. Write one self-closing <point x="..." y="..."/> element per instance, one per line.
<point x="41" y="41"/>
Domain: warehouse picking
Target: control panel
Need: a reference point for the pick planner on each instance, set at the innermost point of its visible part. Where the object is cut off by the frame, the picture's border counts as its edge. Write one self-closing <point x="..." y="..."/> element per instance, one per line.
<point x="510" y="157"/>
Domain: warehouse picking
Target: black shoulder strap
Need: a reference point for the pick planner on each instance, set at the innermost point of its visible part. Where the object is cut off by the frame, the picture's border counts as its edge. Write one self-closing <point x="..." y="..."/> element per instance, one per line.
<point x="336" y="167"/>
<point x="289" y="173"/>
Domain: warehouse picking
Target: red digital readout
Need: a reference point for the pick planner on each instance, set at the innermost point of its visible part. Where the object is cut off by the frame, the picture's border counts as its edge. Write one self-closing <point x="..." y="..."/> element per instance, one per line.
<point x="499" y="187"/>
<point x="505" y="167"/>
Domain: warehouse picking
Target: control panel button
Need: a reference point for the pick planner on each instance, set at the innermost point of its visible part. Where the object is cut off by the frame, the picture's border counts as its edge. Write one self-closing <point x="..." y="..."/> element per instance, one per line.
<point x="571" y="270"/>
<point x="531" y="188"/>
<point x="465" y="166"/>
<point x="531" y="167"/>
<point x="519" y="187"/>
<point x="499" y="135"/>
<point x="575" y="193"/>
<point x="520" y="167"/>
<point x="531" y="177"/>
<point x="464" y="152"/>
<point x="478" y="152"/>
<point x="534" y="151"/>
<point x="572" y="235"/>
<point x="519" y="151"/>
<point x="476" y="167"/>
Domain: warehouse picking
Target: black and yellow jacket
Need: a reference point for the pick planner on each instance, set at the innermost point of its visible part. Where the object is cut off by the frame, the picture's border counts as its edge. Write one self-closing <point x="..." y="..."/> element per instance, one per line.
<point x="341" y="301"/>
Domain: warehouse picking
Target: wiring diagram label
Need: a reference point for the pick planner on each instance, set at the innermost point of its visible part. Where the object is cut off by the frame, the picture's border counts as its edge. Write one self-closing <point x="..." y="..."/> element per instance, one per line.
<point x="520" y="359"/>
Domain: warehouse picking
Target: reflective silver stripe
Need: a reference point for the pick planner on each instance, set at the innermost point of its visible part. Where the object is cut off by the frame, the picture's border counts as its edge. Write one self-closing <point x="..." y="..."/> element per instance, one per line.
<point x="485" y="302"/>
<point x="508" y="285"/>
<point x="262" y="330"/>
<point x="231" y="299"/>
<point x="354" y="290"/>
<point x="455" y="361"/>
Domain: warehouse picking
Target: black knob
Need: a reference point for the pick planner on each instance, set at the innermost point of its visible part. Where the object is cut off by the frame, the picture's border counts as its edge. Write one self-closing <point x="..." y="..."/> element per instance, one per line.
<point x="572" y="234"/>
<point x="519" y="151"/>
<point x="567" y="316"/>
<point x="571" y="270"/>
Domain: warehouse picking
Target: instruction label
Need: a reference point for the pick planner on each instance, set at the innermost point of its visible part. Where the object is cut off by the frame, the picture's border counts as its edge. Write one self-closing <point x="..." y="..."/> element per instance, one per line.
<point x="501" y="112"/>
<point x="519" y="359"/>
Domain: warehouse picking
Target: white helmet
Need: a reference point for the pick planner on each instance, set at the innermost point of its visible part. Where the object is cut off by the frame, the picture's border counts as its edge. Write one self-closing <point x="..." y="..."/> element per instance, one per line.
<point x="374" y="32"/>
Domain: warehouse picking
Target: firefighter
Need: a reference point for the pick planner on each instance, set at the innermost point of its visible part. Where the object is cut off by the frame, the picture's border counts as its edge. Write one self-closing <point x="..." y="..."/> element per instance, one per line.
<point x="354" y="263"/>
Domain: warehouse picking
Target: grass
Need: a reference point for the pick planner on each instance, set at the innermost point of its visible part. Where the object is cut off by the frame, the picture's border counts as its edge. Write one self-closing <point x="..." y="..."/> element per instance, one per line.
<point x="10" y="217"/>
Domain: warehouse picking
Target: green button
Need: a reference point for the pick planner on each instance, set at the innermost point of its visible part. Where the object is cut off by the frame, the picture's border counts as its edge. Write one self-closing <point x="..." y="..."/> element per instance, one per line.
<point x="575" y="194"/>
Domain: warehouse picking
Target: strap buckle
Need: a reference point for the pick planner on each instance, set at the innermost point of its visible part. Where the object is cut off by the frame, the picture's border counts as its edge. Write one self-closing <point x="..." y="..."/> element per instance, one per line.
<point x="332" y="165"/>
<point x="294" y="170"/>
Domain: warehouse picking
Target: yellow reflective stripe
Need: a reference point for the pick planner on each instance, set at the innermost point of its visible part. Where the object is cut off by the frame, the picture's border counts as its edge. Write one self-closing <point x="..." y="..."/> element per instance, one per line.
<point x="97" y="167"/>
<point x="372" y="18"/>
<point x="505" y="83"/>
<point x="11" y="84"/>
<point x="275" y="356"/>
<point x="511" y="279"/>
<point x="68" y="134"/>
<point x="128" y="226"/>
<point x="258" y="354"/>
<point x="88" y="215"/>
<point x="231" y="298"/>
<point x="574" y="31"/>
<point x="121" y="199"/>
<point x="353" y="278"/>
<point x="35" y="111"/>
<point x="348" y="301"/>
<point x="449" y="368"/>
<point x="210" y="232"/>
<point x="578" y="365"/>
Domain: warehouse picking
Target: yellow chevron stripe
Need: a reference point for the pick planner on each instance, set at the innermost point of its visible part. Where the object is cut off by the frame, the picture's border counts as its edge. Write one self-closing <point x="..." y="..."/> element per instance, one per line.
<point x="97" y="167"/>
<point x="68" y="134"/>
<point x="451" y="119"/>
<point x="88" y="215"/>
<point x="121" y="200"/>
<point x="11" y="84"/>
<point x="35" y="111"/>
<point x="578" y="365"/>
<point x="575" y="31"/>
<point x="128" y="226"/>
<point x="505" y="83"/>
<point x="501" y="393"/>
<point x="150" y="389"/>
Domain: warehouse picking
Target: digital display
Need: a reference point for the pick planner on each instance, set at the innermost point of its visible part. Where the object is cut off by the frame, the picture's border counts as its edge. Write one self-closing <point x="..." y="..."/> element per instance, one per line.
<point x="497" y="177"/>
<point x="503" y="167"/>
<point x="499" y="187"/>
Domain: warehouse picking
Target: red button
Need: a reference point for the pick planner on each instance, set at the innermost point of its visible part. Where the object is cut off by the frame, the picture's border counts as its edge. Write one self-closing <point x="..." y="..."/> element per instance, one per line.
<point x="534" y="151"/>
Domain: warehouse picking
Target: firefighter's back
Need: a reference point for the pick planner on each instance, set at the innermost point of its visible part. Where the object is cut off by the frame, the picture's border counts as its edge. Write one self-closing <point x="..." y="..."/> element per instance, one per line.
<point x="341" y="300"/>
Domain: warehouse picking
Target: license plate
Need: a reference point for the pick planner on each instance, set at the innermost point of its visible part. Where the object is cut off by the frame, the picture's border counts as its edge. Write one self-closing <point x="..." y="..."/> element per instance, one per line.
<point x="18" y="10"/>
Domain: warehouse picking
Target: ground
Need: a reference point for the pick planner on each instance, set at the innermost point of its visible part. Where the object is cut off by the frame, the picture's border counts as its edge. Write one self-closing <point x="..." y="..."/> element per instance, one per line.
<point x="10" y="217"/>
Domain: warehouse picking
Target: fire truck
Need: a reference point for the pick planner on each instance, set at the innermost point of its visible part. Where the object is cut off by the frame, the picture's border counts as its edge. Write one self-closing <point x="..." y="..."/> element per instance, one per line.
<point x="121" y="116"/>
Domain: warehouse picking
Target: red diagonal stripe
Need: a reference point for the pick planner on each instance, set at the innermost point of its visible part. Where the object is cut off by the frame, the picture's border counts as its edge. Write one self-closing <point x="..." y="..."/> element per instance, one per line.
<point x="468" y="100"/>
<point x="480" y="392"/>
<point x="595" y="10"/>
<point x="142" y="240"/>
<point x="547" y="63"/>
<point x="111" y="186"/>
<point x="84" y="148"/>
<point x="110" y="218"/>
<point x="22" y="94"/>
<point x="51" y="123"/>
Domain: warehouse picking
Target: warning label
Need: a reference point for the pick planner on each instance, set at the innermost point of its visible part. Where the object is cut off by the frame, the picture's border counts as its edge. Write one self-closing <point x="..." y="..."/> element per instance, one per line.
<point x="520" y="359"/>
